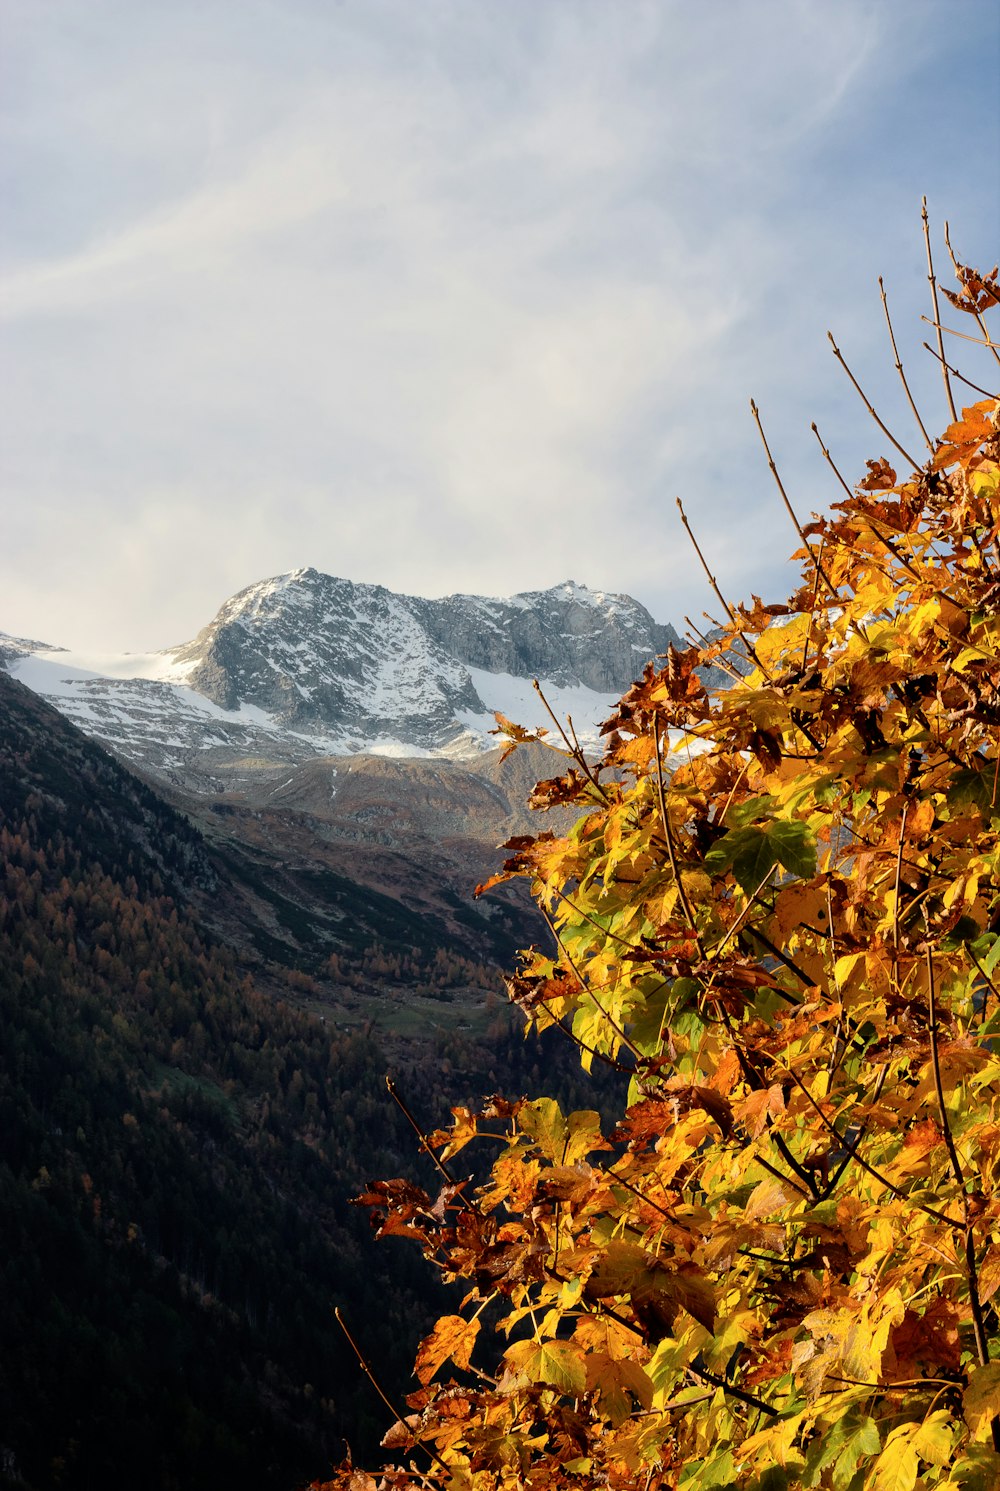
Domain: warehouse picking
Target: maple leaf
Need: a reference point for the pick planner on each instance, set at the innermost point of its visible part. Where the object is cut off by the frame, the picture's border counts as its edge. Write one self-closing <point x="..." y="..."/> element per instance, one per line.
<point x="452" y="1339"/>
<point x="979" y="292"/>
<point x="558" y="1363"/>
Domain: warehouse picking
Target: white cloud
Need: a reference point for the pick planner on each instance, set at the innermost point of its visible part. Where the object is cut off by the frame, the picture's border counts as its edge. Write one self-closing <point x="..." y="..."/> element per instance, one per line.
<point x="448" y="296"/>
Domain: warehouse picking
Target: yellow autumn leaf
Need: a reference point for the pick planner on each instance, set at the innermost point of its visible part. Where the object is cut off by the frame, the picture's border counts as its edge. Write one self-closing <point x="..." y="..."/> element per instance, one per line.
<point x="981" y="1400"/>
<point x="452" y="1338"/>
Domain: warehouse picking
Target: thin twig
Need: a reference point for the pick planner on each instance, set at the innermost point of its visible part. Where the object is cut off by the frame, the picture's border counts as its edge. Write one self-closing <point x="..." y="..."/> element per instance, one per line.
<point x="571" y="1035"/>
<point x="893" y="548"/>
<point x="633" y="947"/>
<point x="425" y="1146"/>
<point x="716" y="662"/>
<point x="760" y="1084"/>
<point x="702" y="1373"/>
<point x="830" y="461"/>
<point x="812" y="605"/>
<point x="895" y="899"/>
<point x="880" y="1082"/>
<point x="956" y="1164"/>
<point x="963" y="336"/>
<point x="737" y="925"/>
<point x="718" y="593"/>
<point x="870" y="407"/>
<point x="960" y="376"/>
<point x="934" y="300"/>
<point x="985" y="976"/>
<point x="783" y="958"/>
<point x="397" y="1415"/>
<point x="852" y="1150"/>
<point x="784" y="497"/>
<point x="978" y="1323"/>
<point x="576" y="753"/>
<point x="899" y="368"/>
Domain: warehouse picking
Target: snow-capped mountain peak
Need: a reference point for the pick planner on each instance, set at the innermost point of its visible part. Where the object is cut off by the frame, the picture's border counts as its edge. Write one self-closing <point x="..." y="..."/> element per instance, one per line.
<point x="306" y="664"/>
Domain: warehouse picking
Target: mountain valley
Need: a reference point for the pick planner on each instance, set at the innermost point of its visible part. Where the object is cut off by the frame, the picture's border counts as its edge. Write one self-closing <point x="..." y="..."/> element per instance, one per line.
<point x="237" y="889"/>
<point x="331" y="742"/>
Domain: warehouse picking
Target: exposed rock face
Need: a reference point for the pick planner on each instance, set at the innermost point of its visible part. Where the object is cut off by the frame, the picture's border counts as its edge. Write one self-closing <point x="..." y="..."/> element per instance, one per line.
<point x="312" y="648"/>
<point x="315" y="650"/>
<point x="568" y="634"/>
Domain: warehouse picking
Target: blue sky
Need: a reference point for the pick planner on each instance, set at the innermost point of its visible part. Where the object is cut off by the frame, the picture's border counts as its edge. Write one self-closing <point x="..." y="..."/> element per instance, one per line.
<point x="458" y="294"/>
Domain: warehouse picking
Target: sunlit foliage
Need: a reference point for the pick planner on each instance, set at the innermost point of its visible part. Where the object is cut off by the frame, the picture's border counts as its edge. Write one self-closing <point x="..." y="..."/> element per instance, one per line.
<point x="779" y="910"/>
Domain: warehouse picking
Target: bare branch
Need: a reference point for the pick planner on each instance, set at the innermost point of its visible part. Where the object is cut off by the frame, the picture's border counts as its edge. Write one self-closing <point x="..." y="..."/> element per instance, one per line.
<point x="718" y="593"/>
<point x="396" y="1413"/>
<point x="987" y="393"/>
<point x="899" y="368"/>
<point x="788" y="506"/>
<point x="830" y="461"/>
<point x="869" y="406"/>
<point x="934" y="299"/>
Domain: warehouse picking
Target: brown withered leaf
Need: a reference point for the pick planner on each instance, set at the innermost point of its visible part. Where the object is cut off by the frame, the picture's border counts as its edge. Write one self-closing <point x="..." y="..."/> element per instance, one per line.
<point x="772" y="1363"/>
<point x="497" y="1106"/>
<point x="989" y="1274"/>
<point x="927" y="1343"/>
<point x="515" y="735"/>
<point x="401" y="1436"/>
<point x="766" y="746"/>
<point x="557" y="791"/>
<point x="654" y="1117"/>
<point x="617" y="1381"/>
<point x="656" y="1291"/>
<point x="448" y="1194"/>
<point x="979" y="292"/>
<point x="708" y="1099"/>
<point x="758" y="617"/>
<point x="881" y="477"/>
<point x="521" y="862"/>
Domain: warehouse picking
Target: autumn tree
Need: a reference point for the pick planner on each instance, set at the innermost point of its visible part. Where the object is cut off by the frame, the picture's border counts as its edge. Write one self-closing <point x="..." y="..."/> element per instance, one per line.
<point x="779" y="913"/>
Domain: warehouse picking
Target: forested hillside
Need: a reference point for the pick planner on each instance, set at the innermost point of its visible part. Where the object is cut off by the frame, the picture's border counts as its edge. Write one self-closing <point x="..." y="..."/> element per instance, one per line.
<point x="177" y="1151"/>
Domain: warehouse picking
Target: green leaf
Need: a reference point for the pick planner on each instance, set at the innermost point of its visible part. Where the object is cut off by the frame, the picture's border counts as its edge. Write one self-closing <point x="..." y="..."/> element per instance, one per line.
<point x="860" y="1445"/>
<point x="747" y="851"/>
<point x="977" y="1469"/>
<point x="971" y="788"/>
<point x="987" y="950"/>
<point x="847" y="1441"/>
<point x="773" y="1479"/>
<point x="752" y="811"/>
<point x="750" y="852"/>
<point x="794" y="845"/>
<point x="560" y="1364"/>
<point x="718" y="1471"/>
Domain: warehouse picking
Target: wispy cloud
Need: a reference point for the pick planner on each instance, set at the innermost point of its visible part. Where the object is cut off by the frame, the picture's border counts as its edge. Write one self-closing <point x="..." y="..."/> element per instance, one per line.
<point x="447" y="296"/>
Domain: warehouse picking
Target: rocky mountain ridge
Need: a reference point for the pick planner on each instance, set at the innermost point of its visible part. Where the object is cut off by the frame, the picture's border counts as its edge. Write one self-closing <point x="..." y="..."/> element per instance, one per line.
<point x="332" y="742"/>
<point x="307" y="665"/>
